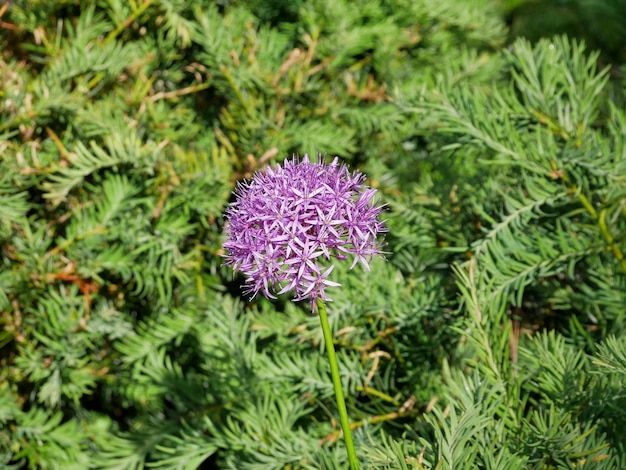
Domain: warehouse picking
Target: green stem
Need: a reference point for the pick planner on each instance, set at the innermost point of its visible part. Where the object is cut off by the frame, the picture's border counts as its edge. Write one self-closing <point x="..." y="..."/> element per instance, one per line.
<point x="601" y="221"/>
<point x="334" y="370"/>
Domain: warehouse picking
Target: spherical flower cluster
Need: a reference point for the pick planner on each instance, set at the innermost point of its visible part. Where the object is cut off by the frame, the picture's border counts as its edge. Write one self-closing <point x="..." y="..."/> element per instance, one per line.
<point x="288" y="224"/>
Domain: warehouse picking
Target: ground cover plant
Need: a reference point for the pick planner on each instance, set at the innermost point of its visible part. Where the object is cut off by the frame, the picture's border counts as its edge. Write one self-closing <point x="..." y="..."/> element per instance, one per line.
<point x="491" y="337"/>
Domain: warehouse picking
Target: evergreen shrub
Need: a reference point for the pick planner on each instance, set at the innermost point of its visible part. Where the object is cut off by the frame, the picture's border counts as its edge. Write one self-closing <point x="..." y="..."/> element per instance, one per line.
<point x="493" y="337"/>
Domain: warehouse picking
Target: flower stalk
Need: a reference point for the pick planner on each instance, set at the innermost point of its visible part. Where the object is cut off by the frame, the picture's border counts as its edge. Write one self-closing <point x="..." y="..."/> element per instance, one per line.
<point x="339" y="397"/>
<point x="286" y="229"/>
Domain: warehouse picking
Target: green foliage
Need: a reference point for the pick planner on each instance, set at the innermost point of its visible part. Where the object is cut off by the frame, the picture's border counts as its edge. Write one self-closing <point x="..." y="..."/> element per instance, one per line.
<point x="491" y="338"/>
<point x="595" y="21"/>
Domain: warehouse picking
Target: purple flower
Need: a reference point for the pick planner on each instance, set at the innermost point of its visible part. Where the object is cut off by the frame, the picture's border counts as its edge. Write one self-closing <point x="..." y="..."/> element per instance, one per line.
<point x="288" y="224"/>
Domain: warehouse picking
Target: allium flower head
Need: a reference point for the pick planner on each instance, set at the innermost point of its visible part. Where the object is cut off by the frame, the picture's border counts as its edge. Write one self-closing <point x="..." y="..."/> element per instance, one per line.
<point x="289" y="224"/>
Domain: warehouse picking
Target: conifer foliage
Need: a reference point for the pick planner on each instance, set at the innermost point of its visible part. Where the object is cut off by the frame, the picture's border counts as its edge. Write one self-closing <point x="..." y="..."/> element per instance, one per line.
<point x="492" y="337"/>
